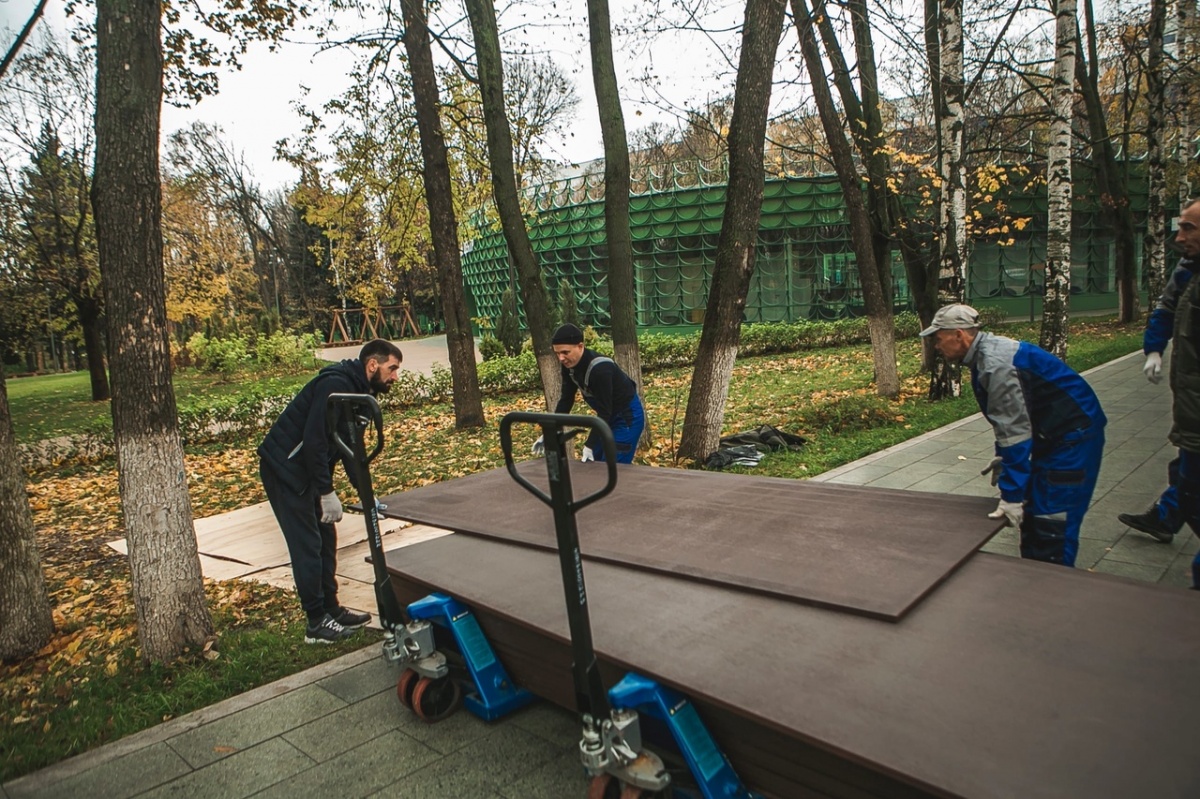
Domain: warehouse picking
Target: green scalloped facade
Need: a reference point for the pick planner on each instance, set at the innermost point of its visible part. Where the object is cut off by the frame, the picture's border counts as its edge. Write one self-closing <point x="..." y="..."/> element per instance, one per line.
<point x="804" y="267"/>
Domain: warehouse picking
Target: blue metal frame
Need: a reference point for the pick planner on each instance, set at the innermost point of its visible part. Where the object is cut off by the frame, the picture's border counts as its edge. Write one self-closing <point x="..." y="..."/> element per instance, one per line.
<point x="709" y="766"/>
<point x="495" y="693"/>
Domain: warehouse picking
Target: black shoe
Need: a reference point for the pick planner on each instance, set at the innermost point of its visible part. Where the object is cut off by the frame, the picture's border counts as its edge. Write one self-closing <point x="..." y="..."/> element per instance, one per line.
<point x="326" y="631"/>
<point x="1149" y="523"/>
<point x="351" y="620"/>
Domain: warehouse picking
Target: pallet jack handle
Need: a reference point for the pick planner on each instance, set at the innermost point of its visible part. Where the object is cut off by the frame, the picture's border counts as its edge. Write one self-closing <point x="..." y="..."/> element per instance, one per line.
<point x="557" y="431"/>
<point x="352" y="414"/>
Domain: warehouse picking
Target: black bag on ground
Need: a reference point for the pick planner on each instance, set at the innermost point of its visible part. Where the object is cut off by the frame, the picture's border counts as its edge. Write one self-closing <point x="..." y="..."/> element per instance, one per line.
<point x="765" y="438"/>
<point x="730" y="456"/>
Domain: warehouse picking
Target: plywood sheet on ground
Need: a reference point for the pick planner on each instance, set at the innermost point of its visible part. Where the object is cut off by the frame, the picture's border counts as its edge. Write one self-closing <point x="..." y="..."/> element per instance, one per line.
<point x="1014" y="678"/>
<point x="872" y="551"/>
<point x="246" y="540"/>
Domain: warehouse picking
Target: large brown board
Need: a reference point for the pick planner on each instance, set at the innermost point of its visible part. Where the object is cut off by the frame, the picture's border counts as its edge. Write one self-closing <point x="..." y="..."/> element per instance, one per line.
<point x="873" y="551"/>
<point x="1013" y="679"/>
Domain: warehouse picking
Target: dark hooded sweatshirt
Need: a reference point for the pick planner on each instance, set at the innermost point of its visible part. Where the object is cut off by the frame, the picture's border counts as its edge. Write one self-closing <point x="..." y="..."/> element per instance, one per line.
<point x="298" y="447"/>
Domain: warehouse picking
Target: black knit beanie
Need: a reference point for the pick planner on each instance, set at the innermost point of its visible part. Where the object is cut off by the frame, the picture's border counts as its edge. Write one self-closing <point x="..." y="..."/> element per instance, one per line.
<point x="567" y="334"/>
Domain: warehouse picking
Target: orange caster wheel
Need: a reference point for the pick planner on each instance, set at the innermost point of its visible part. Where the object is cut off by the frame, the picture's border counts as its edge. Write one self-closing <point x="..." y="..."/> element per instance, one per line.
<point x="604" y="786"/>
<point x="434" y="700"/>
<point x="405" y="685"/>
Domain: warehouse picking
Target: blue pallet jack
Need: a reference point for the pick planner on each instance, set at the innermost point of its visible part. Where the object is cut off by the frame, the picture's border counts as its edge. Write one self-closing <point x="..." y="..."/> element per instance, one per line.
<point x="611" y="749"/>
<point x="426" y="684"/>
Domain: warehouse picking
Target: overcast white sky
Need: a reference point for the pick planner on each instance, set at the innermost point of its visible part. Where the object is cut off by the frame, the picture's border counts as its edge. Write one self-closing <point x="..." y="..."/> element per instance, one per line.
<point x="254" y="105"/>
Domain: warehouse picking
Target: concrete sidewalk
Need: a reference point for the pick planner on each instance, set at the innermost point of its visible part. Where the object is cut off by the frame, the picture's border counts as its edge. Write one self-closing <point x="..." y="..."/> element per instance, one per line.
<point x="338" y="731"/>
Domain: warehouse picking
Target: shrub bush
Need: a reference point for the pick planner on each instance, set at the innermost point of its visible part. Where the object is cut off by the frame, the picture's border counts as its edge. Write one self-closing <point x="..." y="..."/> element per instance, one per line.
<point x="223" y="355"/>
<point x="490" y="347"/>
<point x="284" y="349"/>
<point x="508" y="326"/>
<point x="567" y="304"/>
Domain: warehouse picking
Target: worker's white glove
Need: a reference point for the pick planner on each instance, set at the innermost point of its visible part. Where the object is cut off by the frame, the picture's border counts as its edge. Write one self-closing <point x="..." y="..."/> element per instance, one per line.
<point x="1153" y="368"/>
<point x="1013" y="511"/>
<point x="539" y="447"/>
<point x="587" y="455"/>
<point x="996" y="467"/>
<point x="331" y="508"/>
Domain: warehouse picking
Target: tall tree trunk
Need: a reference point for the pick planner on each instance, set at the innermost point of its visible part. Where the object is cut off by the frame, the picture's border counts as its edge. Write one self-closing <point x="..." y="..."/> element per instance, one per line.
<point x="443" y="224"/>
<point x="944" y="40"/>
<point x="1156" y="174"/>
<point x="93" y="344"/>
<point x="1111" y="179"/>
<point x="738" y="241"/>
<point x="25" y="620"/>
<point x="1056" y="308"/>
<point x="876" y="205"/>
<point x="482" y="15"/>
<point x="616" y="194"/>
<point x="168" y="588"/>
<point x="1184" y="78"/>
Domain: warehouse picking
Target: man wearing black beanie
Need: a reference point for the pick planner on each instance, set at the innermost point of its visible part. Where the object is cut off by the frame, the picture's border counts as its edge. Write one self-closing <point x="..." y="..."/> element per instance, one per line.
<point x="605" y="388"/>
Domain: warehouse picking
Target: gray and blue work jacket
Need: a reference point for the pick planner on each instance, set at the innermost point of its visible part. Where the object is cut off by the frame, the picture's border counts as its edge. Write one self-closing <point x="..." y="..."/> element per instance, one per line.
<point x="1034" y="402"/>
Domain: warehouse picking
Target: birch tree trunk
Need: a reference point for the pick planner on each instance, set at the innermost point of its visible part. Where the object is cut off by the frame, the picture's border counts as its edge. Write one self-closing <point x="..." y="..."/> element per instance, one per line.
<point x="1056" y="308"/>
<point x="482" y="14"/>
<point x="619" y="239"/>
<point x="25" y="620"/>
<point x="168" y="588"/>
<point x="945" y="42"/>
<point x="1156" y="176"/>
<point x="443" y="224"/>
<point x="738" y="241"/>
<point x="1184" y="78"/>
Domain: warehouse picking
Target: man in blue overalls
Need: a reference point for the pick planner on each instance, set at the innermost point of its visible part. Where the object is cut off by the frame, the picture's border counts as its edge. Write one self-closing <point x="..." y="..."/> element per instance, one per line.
<point x="1049" y="431"/>
<point x="606" y="389"/>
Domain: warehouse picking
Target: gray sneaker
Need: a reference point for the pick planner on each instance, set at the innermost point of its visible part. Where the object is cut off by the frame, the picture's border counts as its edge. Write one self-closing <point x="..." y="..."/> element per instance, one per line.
<point x="350" y="619"/>
<point x="326" y="631"/>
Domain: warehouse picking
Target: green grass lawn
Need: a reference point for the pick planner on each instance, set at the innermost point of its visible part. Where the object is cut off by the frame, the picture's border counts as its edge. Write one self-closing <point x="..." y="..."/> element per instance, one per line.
<point x="48" y="406"/>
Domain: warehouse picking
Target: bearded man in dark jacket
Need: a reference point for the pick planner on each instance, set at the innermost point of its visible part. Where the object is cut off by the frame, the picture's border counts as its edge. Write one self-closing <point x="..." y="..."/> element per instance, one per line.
<point x="296" y="462"/>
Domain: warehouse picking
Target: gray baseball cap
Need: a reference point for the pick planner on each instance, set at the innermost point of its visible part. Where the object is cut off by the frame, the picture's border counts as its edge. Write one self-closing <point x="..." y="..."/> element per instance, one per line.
<point x="953" y="317"/>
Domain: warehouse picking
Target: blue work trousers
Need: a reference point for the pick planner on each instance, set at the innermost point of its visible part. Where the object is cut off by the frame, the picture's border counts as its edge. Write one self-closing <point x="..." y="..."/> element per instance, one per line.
<point x="1060" y="489"/>
<point x="627" y="430"/>
<point x="1167" y="505"/>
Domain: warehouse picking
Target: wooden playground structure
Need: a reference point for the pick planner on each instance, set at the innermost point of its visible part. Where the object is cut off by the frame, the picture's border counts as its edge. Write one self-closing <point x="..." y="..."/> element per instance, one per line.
<point x="356" y="325"/>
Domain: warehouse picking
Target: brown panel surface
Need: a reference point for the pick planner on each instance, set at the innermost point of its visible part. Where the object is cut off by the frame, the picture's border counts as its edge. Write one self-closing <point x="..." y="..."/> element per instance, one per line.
<point x="873" y="551"/>
<point x="1014" y="679"/>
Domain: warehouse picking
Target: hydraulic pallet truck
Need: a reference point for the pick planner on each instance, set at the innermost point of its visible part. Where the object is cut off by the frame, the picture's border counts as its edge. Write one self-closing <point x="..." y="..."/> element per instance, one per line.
<point x="426" y="684"/>
<point x="617" y="764"/>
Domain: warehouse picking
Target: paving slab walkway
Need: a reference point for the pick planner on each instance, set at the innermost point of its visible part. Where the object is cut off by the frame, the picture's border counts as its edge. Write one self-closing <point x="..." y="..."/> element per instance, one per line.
<point x="337" y="730"/>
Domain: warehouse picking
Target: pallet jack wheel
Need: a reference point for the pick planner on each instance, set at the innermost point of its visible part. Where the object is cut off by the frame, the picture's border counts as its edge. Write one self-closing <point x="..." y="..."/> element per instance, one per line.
<point x="604" y="786"/>
<point x="404" y="687"/>
<point x="434" y="700"/>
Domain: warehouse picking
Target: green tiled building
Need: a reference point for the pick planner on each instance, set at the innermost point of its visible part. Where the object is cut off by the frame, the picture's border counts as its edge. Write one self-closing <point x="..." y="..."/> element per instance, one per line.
<point x="804" y="269"/>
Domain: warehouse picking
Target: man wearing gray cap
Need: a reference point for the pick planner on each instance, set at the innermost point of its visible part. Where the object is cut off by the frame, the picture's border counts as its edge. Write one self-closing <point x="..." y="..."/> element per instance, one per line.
<point x="1049" y="431"/>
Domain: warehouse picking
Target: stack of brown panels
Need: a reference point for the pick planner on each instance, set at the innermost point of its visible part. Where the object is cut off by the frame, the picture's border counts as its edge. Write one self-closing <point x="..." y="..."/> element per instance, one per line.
<point x="1007" y="679"/>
